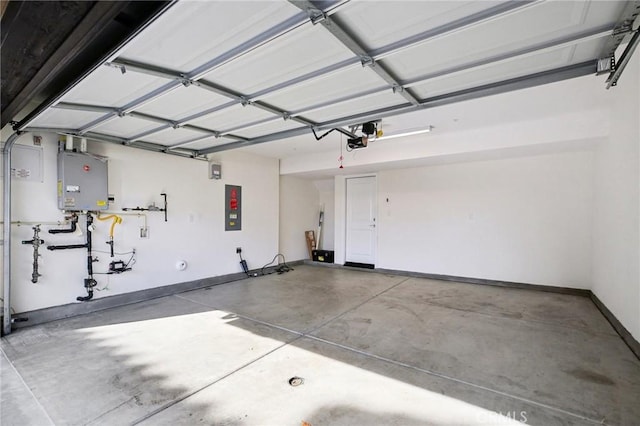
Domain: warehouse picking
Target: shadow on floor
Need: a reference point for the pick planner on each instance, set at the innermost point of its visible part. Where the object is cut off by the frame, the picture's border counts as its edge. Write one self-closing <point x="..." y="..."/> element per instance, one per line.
<point x="127" y="364"/>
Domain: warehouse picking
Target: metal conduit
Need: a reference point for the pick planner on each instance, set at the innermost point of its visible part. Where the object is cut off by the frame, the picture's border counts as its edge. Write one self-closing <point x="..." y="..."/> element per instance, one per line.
<point x="6" y="236"/>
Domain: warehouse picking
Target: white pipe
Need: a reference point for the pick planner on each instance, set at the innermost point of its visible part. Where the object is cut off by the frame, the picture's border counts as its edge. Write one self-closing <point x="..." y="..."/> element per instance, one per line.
<point x="6" y="226"/>
<point x="29" y="223"/>
<point x="69" y="143"/>
<point x="83" y="145"/>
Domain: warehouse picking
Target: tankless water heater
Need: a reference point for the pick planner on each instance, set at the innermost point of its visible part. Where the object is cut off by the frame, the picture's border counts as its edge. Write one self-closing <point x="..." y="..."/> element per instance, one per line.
<point x="82" y="182"/>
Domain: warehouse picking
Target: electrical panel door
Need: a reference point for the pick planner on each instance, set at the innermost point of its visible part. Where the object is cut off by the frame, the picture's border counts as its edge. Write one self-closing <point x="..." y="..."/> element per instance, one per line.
<point x="82" y="182"/>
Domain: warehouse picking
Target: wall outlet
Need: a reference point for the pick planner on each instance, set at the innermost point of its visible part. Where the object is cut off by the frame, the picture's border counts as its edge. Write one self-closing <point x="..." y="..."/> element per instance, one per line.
<point x="144" y="232"/>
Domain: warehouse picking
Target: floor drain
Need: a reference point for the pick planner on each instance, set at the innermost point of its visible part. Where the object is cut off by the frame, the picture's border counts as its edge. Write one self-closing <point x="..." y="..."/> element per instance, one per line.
<point x="296" y="381"/>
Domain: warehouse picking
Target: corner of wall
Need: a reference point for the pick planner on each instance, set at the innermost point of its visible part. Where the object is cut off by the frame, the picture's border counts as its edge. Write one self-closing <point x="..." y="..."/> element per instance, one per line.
<point x="299" y="209"/>
<point x="616" y="225"/>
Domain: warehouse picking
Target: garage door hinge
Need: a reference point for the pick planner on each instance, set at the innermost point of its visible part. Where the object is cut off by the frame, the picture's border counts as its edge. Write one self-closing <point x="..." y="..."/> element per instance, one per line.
<point x="316" y="16"/>
<point x="367" y="61"/>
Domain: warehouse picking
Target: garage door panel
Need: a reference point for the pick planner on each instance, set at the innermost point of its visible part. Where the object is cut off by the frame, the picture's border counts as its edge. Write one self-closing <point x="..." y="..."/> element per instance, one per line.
<point x="182" y="102"/>
<point x="291" y="55"/>
<point x="496" y="72"/>
<point x="194" y="32"/>
<point x="126" y="127"/>
<point x="65" y="118"/>
<point x="543" y="23"/>
<point x="111" y="87"/>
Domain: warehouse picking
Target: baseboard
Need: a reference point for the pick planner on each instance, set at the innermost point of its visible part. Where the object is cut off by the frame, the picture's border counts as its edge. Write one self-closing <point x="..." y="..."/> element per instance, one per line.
<point x="496" y="283"/>
<point x="481" y="281"/>
<point x="631" y="342"/>
<point x="40" y="316"/>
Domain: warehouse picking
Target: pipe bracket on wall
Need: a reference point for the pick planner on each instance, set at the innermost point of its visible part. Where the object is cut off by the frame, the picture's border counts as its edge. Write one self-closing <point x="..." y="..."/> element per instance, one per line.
<point x="6" y="234"/>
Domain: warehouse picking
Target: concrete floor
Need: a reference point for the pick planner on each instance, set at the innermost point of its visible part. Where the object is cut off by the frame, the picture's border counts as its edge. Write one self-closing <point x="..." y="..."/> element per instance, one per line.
<point x="372" y="349"/>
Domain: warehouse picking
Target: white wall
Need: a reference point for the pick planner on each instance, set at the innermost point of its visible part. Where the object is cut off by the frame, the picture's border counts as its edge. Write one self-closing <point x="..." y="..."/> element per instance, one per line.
<point x="521" y="219"/>
<point x="299" y="208"/>
<point x="194" y="231"/>
<point x="616" y="265"/>
<point x="326" y="195"/>
<point x="539" y="134"/>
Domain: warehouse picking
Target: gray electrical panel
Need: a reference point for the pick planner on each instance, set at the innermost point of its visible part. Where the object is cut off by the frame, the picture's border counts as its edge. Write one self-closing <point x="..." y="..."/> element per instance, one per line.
<point x="215" y="171"/>
<point x="82" y="182"/>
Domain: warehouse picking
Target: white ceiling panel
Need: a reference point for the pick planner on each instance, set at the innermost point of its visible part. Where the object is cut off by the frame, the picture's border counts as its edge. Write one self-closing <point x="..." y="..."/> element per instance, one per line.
<point x="357" y="106"/>
<point x="278" y="125"/>
<point x="65" y="118"/>
<point x="173" y="136"/>
<point x="108" y="86"/>
<point x="126" y="127"/>
<point x="494" y="73"/>
<point x="291" y="55"/>
<point x="598" y="13"/>
<point x="183" y="102"/>
<point x="232" y="117"/>
<point x="194" y="32"/>
<point x="533" y="25"/>
<point x="343" y="84"/>
<point x="527" y="64"/>
<point x="379" y="23"/>
<point x="586" y="51"/>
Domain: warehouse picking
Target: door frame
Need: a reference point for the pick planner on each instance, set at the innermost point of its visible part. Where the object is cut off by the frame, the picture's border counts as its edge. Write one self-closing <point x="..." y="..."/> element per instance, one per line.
<point x="340" y="230"/>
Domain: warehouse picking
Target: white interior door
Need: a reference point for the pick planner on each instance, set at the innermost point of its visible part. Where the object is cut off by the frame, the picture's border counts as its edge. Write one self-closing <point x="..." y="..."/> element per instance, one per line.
<point x="361" y="234"/>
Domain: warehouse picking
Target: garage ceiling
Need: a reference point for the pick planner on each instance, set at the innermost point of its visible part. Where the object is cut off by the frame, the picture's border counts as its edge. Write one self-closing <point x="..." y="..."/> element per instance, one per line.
<point x="216" y="75"/>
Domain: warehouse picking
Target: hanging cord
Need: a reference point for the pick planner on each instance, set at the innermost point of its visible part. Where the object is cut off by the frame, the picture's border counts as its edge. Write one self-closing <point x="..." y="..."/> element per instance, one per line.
<point x="243" y="264"/>
<point x="341" y="156"/>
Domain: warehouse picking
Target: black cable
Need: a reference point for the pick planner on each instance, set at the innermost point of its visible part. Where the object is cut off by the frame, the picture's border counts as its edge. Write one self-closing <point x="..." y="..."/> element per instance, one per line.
<point x="338" y="129"/>
<point x="124" y="268"/>
<point x="133" y="254"/>
<point x="243" y="264"/>
<point x="281" y="268"/>
<point x="320" y="137"/>
<point x="108" y="252"/>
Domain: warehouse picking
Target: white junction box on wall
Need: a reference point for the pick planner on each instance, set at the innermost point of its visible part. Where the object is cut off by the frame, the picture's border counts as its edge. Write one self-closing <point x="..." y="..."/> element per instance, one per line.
<point x="82" y="182"/>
